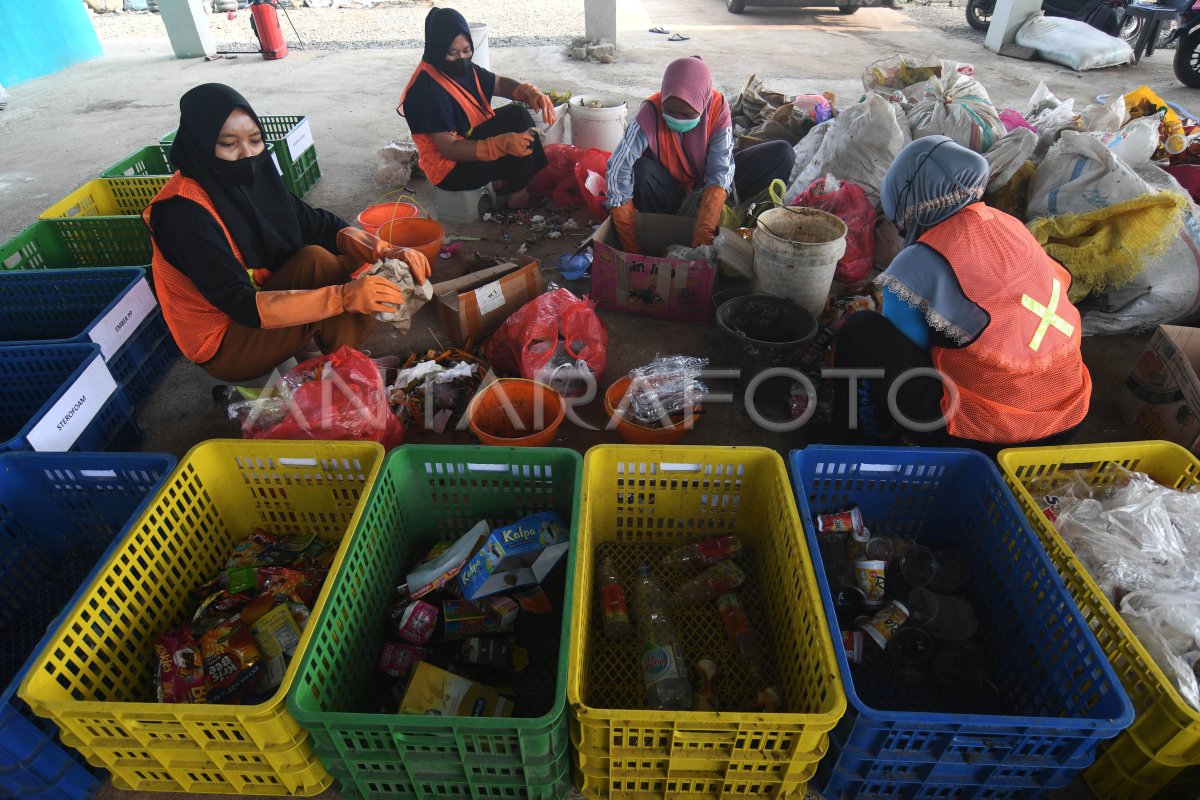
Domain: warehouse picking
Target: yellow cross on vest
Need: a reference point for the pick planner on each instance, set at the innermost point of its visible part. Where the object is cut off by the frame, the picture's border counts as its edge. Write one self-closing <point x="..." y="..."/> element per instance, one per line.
<point x="1049" y="316"/>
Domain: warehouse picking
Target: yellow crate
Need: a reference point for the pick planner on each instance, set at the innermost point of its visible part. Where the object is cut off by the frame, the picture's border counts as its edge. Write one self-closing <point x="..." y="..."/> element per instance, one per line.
<point x="107" y="197"/>
<point x="637" y="502"/>
<point x="1164" y="739"/>
<point x="94" y="678"/>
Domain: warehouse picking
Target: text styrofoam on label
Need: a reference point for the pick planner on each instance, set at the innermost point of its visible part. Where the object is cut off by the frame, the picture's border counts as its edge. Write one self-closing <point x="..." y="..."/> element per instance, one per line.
<point x="67" y="419"/>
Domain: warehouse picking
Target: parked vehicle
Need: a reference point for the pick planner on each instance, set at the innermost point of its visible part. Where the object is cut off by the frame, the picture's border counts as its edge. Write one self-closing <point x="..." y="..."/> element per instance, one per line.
<point x="843" y="6"/>
<point x="1186" y="38"/>
<point x="1105" y="15"/>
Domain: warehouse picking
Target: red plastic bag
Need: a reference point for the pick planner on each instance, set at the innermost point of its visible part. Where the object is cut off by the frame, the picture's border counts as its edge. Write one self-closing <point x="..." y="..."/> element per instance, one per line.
<point x="591" y="173"/>
<point x="337" y="396"/>
<point x="527" y="340"/>
<point x="561" y="159"/>
<point x="566" y="179"/>
<point x="849" y="203"/>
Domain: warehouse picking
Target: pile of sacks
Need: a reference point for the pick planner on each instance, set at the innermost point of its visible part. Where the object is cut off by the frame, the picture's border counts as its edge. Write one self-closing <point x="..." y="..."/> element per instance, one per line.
<point x="1087" y="182"/>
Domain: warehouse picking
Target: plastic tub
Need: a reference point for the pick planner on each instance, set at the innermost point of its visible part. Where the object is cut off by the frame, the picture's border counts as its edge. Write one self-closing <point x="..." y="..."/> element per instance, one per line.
<point x="420" y="233"/>
<point x="601" y="127"/>
<point x="634" y="432"/>
<point x="516" y="412"/>
<point x="796" y="251"/>
<point x="372" y="217"/>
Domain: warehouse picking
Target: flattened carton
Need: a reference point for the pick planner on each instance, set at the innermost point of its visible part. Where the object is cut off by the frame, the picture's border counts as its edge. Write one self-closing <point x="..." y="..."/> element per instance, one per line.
<point x="516" y="555"/>
<point x="1161" y="396"/>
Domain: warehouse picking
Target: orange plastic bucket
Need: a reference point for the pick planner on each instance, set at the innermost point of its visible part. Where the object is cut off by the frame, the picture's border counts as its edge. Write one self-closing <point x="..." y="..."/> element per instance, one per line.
<point x="634" y="432"/>
<point x="419" y="233"/>
<point x="515" y="412"/>
<point x="372" y="217"/>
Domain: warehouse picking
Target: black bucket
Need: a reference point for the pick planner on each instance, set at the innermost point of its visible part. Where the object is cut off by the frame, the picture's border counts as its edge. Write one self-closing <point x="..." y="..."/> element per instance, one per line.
<point x="761" y="331"/>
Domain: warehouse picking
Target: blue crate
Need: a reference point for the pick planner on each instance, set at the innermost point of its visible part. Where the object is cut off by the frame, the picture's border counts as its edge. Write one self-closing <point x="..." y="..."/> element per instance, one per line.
<point x="60" y="514"/>
<point x="67" y="305"/>
<point x="1061" y="696"/>
<point x="33" y="378"/>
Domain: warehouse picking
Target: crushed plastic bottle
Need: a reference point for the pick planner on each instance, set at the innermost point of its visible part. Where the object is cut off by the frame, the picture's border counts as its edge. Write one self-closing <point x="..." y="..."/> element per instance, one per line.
<point x="663" y="668"/>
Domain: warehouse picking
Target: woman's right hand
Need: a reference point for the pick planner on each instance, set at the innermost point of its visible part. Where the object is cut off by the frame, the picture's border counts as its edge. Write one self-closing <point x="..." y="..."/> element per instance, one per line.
<point x="371" y="294"/>
<point x="516" y="144"/>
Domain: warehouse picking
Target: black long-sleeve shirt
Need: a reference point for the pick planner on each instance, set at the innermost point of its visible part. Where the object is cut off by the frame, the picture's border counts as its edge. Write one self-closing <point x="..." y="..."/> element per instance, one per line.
<point x="191" y="239"/>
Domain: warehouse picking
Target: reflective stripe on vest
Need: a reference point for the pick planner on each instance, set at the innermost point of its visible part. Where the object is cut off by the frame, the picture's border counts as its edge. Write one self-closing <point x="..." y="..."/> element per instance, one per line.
<point x="1023" y="377"/>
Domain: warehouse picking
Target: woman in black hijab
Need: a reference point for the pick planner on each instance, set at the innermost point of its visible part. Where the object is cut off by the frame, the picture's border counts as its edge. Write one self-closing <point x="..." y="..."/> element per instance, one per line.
<point x="462" y="143"/>
<point x="245" y="272"/>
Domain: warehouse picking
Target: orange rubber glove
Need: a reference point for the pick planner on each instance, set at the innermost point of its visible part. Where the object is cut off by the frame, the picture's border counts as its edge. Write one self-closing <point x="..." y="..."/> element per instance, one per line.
<point x="625" y="218"/>
<point x="709" y="217"/>
<point x="371" y="293"/>
<point x="370" y="248"/>
<point x="532" y="96"/>
<point x="506" y="144"/>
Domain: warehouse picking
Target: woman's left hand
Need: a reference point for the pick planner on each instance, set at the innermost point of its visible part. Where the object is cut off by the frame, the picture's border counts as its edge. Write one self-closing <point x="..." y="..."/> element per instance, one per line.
<point x="418" y="264"/>
<point x="531" y="96"/>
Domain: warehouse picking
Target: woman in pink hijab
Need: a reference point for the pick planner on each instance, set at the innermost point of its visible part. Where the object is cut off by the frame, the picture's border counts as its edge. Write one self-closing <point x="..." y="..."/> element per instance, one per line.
<point x="682" y="144"/>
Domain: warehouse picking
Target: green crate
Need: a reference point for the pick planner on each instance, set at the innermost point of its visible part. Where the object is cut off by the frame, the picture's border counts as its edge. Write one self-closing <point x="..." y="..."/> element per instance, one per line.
<point x="426" y="494"/>
<point x="152" y="160"/>
<point x="300" y="173"/>
<point x="78" y="243"/>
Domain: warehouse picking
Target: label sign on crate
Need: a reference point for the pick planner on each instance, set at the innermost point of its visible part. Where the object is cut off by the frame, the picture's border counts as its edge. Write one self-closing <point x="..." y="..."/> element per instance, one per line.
<point x="490" y="297"/>
<point x="275" y="161"/>
<point x="69" y="417"/>
<point x="299" y="139"/>
<point x="115" y="327"/>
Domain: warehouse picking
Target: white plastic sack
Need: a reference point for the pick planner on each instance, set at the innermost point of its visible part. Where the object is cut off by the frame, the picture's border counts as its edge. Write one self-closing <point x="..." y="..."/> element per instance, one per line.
<point x="1008" y="155"/>
<point x="1135" y="143"/>
<point x="1166" y="291"/>
<point x="1049" y="117"/>
<point x="958" y="107"/>
<point x="858" y="145"/>
<point x="807" y="149"/>
<point x="1111" y="115"/>
<point x="1080" y="175"/>
<point x="1073" y="43"/>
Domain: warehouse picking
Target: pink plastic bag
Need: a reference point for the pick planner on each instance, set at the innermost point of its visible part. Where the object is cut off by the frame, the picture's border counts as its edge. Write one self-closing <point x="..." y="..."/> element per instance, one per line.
<point x="1014" y="119"/>
<point x="848" y="202"/>
<point x="526" y="341"/>
<point x="338" y="396"/>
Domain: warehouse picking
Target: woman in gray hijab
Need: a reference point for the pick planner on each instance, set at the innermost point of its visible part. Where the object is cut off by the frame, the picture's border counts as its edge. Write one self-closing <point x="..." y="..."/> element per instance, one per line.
<point x="977" y="341"/>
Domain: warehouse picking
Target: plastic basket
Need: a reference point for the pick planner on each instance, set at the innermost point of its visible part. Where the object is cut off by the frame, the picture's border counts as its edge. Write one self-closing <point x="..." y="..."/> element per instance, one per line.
<point x="1060" y="698"/>
<point x="101" y="221"/>
<point x="152" y="160"/>
<point x="638" y="501"/>
<point x="107" y="197"/>
<point x="68" y="389"/>
<point x="426" y="494"/>
<point x="94" y="677"/>
<point x="113" y="307"/>
<point x="300" y="170"/>
<point x="59" y="513"/>
<point x="1164" y="739"/>
<point x="73" y="244"/>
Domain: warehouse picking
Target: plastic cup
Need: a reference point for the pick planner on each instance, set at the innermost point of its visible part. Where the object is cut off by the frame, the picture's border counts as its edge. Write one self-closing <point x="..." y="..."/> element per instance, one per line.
<point x="912" y="570"/>
<point x="953" y="573"/>
<point x="881" y="548"/>
<point x="848" y="603"/>
<point x="910" y="647"/>
<point x="943" y="616"/>
<point x="870" y="575"/>
<point x="886" y="622"/>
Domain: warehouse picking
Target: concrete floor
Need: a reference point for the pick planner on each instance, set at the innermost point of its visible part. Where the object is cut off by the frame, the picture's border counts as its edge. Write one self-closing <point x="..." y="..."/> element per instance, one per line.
<point x="62" y="130"/>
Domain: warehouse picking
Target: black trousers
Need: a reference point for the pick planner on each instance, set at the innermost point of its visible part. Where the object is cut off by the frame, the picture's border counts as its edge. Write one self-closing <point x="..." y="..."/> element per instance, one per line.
<point x="515" y="171"/>
<point x="655" y="190"/>
<point x="868" y="340"/>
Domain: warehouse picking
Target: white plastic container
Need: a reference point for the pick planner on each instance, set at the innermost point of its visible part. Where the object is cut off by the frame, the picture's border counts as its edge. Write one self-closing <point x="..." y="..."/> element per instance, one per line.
<point x="479" y="36"/>
<point x="796" y="251"/>
<point x="602" y="127"/>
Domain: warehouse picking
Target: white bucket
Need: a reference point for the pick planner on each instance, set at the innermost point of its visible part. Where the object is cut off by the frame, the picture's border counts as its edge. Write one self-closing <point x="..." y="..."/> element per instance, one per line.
<point x="479" y="35"/>
<point x="796" y="251"/>
<point x="560" y="131"/>
<point x="602" y="127"/>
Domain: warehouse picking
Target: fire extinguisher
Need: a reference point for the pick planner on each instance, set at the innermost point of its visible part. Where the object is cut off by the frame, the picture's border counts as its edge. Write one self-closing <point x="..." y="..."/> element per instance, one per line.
<point x="265" y="24"/>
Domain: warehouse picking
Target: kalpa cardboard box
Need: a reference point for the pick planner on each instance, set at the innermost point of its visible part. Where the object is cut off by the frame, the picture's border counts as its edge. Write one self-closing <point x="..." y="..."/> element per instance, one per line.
<point x="472" y="307"/>
<point x="651" y="285"/>
<point x="1161" y="396"/>
<point x="516" y="555"/>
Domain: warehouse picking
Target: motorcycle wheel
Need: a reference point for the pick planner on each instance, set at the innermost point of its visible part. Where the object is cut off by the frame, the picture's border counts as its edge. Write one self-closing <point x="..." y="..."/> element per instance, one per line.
<point x="735" y="6"/>
<point x="1131" y="28"/>
<point x="979" y="15"/>
<point x="1187" y="59"/>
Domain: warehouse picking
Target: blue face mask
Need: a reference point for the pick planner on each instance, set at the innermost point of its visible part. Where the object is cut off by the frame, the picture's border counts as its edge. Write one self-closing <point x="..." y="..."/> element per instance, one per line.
<point x="680" y="125"/>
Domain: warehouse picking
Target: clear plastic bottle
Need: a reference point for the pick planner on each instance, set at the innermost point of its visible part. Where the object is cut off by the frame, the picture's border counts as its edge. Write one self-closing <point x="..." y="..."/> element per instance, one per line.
<point x="663" y="667"/>
<point x="703" y="553"/>
<point x="613" y="604"/>
<point x="743" y="638"/>
<point x="721" y="578"/>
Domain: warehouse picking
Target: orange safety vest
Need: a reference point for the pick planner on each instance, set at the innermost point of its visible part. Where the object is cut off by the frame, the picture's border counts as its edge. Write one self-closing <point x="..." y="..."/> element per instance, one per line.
<point x="670" y="154"/>
<point x="1023" y="378"/>
<point x="196" y="324"/>
<point x="435" y="165"/>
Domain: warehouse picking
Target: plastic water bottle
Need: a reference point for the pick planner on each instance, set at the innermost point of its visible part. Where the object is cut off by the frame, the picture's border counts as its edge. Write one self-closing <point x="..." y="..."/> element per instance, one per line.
<point x="612" y="602"/>
<point x="721" y="578"/>
<point x="703" y="553"/>
<point x="663" y="667"/>
<point x="742" y="637"/>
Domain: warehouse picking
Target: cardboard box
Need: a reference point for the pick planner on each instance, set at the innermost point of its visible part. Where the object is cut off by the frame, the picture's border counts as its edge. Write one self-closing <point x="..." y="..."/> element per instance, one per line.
<point x="1161" y="396"/>
<point x="516" y="555"/>
<point x="434" y="692"/>
<point x="664" y="288"/>
<point x="472" y="307"/>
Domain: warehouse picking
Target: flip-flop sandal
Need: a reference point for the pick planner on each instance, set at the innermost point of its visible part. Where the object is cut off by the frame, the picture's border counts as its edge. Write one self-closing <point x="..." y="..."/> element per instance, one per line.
<point x="659" y="29"/>
<point x="678" y="37"/>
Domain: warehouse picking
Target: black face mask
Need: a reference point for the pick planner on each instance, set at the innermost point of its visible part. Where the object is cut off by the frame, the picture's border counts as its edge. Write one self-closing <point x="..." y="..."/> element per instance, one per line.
<point x="459" y="68"/>
<point x="244" y="171"/>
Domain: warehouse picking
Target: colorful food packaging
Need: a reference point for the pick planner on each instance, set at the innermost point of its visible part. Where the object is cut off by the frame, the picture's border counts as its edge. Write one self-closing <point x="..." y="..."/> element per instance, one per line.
<point x="399" y="658"/>
<point x="232" y="661"/>
<point x="276" y="635"/>
<point x="438" y="693"/>
<point x="180" y="668"/>
<point x="415" y="621"/>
